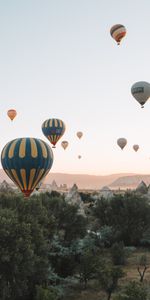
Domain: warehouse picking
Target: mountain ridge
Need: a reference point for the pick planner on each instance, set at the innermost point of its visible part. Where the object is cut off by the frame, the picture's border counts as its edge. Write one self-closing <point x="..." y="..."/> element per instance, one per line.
<point x="87" y="181"/>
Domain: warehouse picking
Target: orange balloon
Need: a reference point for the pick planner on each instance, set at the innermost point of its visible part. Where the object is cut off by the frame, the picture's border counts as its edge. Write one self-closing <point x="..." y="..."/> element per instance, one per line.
<point x="11" y="114"/>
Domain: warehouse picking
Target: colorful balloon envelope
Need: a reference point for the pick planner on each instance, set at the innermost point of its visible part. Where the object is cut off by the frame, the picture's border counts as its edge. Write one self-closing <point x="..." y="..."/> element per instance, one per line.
<point x="79" y="134"/>
<point x="118" y="32"/>
<point x="135" y="148"/>
<point x="26" y="161"/>
<point x="122" y="142"/>
<point x="11" y="114"/>
<point x="64" y="144"/>
<point x="53" y="129"/>
<point x="141" y="92"/>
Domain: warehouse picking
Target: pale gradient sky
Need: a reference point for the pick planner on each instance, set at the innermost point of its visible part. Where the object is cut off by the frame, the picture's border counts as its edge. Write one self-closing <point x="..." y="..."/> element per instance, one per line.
<point x="57" y="59"/>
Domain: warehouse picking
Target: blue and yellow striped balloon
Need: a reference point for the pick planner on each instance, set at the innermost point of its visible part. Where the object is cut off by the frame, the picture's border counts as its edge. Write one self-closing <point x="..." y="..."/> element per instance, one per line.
<point x="53" y="129"/>
<point x="26" y="161"/>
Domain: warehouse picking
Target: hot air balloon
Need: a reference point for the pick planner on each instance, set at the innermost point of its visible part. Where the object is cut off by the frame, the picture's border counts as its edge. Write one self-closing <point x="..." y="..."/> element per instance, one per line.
<point x="118" y="32"/>
<point x="79" y="134"/>
<point x="26" y="161"/>
<point x="64" y="144"/>
<point x="122" y="142"/>
<point x="141" y="92"/>
<point x="79" y="156"/>
<point x="11" y="114"/>
<point x="53" y="129"/>
<point x="136" y="148"/>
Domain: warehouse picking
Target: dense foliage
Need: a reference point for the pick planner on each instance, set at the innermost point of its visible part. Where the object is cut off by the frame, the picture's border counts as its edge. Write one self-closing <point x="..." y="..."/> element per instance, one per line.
<point x="36" y="237"/>
<point x="128" y="215"/>
<point x="46" y="246"/>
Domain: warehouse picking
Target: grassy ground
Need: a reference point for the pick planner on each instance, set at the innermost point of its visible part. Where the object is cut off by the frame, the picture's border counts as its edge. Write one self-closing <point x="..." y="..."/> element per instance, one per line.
<point x="93" y="291"/>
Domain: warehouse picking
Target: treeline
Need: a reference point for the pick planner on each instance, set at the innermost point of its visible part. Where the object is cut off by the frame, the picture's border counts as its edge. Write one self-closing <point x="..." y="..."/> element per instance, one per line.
<point x="46" y="246"/>
<point x="127" y="217"/>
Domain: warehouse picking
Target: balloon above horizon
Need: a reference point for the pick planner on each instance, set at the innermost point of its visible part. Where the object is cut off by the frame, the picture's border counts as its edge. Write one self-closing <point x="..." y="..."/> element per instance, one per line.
<point x="135" y="147"/>
<point x="11" y="113"/>
<point x="118" y="32"/>
<point x="26" y="161"/>
<point x="64" y="144"/>
<point x="53" y="129"/>
<point x="79" y="134"/>
<point x="141" y="92"/>
<point x="122" y="142"/>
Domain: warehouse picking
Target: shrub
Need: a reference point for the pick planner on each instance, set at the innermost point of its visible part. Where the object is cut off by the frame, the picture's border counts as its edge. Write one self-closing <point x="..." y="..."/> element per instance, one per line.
<point x="118" y="253"/>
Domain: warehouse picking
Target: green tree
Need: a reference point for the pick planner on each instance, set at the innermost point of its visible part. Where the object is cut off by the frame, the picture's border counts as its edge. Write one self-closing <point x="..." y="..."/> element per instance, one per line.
<point x="36" y="235"/>
<point x="87" y="267"/>
<point x="118" y="253"/>
<point x="133" y="291"/>
<point x="16" y="256"/>
<point x="128" y="215"/>
<point x="46" y="293"/>
<point x="142" y="266"/>
<point x="108" y="277"/>
<point x="24" y="251"/>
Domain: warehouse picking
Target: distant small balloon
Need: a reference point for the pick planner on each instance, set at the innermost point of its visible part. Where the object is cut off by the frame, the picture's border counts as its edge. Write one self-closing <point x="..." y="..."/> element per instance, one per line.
<point x="135" y="148"/>
<point x="118" y="32"/>
<point x="79" y="134"/>
<point x="11" y="114"/>
<point x="79" y="156"/>
<point x="64" y="144"/>
<point x="122" y="142"/>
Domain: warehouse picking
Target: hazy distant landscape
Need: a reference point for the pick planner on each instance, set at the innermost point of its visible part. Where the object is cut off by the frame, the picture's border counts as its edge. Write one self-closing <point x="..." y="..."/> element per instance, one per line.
<point x="84" y="181"/>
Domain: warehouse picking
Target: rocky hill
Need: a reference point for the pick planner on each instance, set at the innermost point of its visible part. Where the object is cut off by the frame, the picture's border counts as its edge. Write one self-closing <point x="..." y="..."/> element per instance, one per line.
<point x="130" y="182"/>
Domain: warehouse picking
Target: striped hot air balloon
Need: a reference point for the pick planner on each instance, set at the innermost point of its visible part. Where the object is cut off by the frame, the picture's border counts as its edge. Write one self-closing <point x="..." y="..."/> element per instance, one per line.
<point x="53" y="129"/>
<point x="26" y="161"/>
<point x="118" y="32"/>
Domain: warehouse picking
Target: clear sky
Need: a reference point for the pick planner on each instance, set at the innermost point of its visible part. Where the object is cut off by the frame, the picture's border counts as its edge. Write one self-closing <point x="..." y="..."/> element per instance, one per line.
<point x="57" y="59"/>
